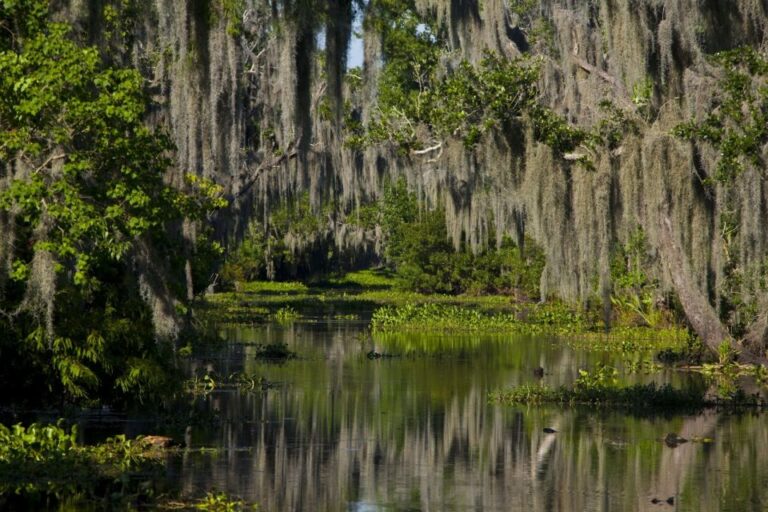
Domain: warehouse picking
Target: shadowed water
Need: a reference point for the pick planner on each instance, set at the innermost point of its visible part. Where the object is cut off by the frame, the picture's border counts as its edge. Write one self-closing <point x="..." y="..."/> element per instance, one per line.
<point x="416" y="432"/>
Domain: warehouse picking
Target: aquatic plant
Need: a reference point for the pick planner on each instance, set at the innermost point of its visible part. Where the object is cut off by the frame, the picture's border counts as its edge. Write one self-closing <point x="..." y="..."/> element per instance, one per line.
<point x="638" y="395"/>
<point x="553" y="319"/>
<point x="222" y="502"/>
<point x="274" y="352"/>
<point x="45" y="462"/>
<point x="286" y="314"/>
<point x="600" y="386"/>
<point x="273" y="287"/>
<point x="439" y="317"/>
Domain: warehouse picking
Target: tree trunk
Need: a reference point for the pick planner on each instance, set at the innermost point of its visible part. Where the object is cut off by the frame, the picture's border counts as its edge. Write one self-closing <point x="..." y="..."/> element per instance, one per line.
<point x="699" y="312"/>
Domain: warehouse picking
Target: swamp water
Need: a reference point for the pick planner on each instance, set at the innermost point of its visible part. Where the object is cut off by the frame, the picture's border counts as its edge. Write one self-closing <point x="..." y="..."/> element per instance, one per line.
<point x="340" y="431"/>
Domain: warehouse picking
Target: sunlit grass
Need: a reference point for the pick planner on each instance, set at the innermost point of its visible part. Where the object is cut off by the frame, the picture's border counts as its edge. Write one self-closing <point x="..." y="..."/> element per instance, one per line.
<point x="272" y="287"/>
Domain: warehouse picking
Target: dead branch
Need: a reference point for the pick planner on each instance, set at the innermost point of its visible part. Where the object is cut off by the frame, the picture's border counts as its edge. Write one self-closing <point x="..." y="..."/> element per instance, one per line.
<point x="50" y="160"/>
<point x="430" y="149"/>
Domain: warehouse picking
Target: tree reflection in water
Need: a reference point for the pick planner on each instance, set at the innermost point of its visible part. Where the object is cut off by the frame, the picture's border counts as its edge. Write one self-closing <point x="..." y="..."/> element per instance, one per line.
<point x="415" y="432"/>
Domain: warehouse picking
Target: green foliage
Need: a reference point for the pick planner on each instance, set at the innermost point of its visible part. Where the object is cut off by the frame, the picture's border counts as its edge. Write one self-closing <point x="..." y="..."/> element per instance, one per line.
<point x="602" y="377"/>
<point x="726" y="353"/>
<point x="523" y="8"/>
<point x="738" y="124"/>
<point x="411" y="48"/>
<point x="612" y="128"/>
<point x="473" y="99"/>
<point x="274" y="287"/>
<point x="120" y="19"/>
<point x="247" y="261"/>
<point x="44" y="463"/>
<point x="286" y="315"/>
<point x="91" y="195"/>
<point x="636" y="396"/>
<point x="642" y="95"/>
<point x="221" y="502"/>
<point x="554" y="131"/>
<point x="375" y="279"/>
<point x="634" y="291"/>
<point x="453" y="318"/>
<point x="416" y="244"/>
<point x="233" y="13"/>
<point x="295" y="240"/>
<point x="416" y="96"/>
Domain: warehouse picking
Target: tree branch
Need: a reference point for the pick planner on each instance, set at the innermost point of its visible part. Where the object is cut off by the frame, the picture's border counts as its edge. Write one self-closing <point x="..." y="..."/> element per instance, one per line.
<point x="430" y="149"/>
<point x="50" y="160"/>
<point x="621" y="92"/>
<point x="288" y="155"/>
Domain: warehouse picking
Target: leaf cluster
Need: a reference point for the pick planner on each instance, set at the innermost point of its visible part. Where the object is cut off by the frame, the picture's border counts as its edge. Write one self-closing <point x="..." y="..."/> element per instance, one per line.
<point x="738" y="124"/>
<point x="424" y="101"/>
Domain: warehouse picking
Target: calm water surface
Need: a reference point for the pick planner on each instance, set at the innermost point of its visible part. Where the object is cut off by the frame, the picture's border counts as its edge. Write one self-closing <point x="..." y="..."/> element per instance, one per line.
<point x="416" y="432"/>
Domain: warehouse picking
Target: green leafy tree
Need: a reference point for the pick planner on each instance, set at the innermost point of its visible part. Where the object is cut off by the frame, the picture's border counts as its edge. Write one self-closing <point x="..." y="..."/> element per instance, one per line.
<point x="738" y="123"/>
<point x="423" y="103"/>
<point x="85" y="200"/>
<point x="417" y="246"/>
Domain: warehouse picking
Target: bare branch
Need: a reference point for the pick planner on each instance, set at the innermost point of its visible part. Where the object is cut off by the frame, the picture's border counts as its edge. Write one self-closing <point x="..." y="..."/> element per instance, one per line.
<point x="288" y="155"/>
<point x="50" y="160"/>
<point x="430" y="149"/>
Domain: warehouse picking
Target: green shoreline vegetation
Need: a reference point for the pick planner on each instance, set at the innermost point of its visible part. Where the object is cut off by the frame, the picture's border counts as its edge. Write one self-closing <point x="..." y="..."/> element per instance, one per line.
<point x="45" y="466"/>
<point x="601" y="388"/>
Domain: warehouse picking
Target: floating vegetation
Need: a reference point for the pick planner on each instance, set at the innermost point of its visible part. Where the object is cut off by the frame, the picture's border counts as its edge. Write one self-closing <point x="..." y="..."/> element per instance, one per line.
<point x="343" y="297"/>
<point x="275" y="352"/>
<point x="45" y="463"/>
<point x="208" y="383"/>
<point x="453" y="318"/>
<point x="221" y="502"/>
<point x="373" y="279"/>
<point x="600" y="387"/>
<point x="552" y="318"/>
<point x="273" y="287"/>
<point x="231" y="308"/>
<point x="286" y="315"/>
